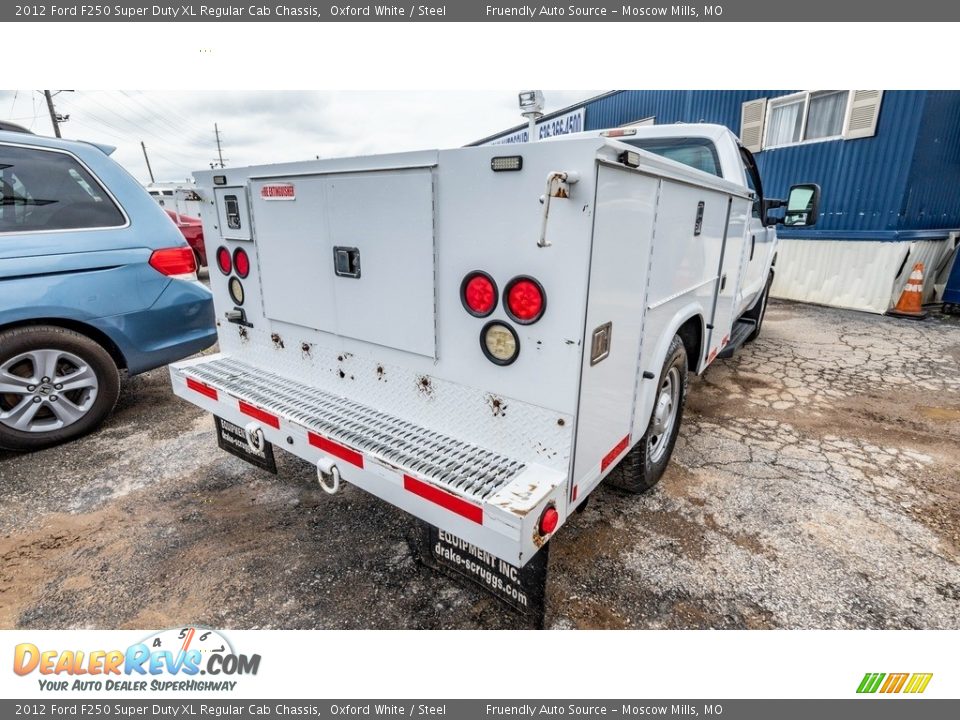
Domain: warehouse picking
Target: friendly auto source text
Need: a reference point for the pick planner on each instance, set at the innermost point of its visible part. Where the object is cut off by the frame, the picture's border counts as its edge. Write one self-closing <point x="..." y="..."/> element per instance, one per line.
<point x="626" y="11"/>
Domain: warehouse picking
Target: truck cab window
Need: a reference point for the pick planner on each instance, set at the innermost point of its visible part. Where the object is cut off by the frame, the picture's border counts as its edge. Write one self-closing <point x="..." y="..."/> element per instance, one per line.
<point x="699" y="153"/>
<point x="752" y="177"/>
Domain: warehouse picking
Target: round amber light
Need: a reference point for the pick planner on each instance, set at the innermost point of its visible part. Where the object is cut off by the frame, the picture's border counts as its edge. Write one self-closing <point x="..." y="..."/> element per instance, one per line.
<point x="499" y="343"/>
<point x="236" y="291"/>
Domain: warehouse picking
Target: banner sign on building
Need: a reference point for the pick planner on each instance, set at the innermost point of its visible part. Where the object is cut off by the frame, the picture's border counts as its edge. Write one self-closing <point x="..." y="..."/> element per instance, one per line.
<point x="571" y="122"/>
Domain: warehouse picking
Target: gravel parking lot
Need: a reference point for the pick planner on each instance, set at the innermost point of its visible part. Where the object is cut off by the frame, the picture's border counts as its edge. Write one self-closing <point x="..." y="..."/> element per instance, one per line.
<point x="816" y="484"/>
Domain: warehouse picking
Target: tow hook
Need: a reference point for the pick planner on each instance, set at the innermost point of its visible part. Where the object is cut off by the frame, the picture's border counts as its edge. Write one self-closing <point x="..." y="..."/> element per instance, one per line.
<point x="254" y="436"/>
<point x="328" y="475"/>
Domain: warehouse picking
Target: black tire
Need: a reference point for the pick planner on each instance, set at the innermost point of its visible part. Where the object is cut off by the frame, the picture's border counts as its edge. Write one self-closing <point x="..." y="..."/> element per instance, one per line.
<point x="644" y="465"/>
<point x="16" y="342"/>
<point x="759" y="311"/>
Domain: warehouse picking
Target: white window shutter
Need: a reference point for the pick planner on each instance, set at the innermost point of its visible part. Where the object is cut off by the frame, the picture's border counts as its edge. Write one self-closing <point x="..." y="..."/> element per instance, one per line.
<point x="752" y="114"/>
<point x="864" y="111"/>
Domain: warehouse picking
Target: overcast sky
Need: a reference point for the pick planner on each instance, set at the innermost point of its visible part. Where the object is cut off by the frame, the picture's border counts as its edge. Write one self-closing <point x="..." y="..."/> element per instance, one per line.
<point x="261" y="127"/>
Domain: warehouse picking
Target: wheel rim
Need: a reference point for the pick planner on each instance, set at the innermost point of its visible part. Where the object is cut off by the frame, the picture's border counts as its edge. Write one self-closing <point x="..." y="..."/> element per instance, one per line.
<point x="664" y="415"/>
<point x="45" y="389"/>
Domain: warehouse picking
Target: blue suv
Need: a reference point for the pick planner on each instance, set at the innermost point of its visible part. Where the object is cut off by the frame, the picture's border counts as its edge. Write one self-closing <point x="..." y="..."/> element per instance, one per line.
<point x="94" y="280"/>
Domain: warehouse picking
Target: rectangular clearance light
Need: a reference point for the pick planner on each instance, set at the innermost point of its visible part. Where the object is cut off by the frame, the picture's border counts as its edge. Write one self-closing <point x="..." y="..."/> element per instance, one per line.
<point x="219" y="179"/>
<point x="630" y="158"/>
<point x="619" y="132"/>
<point x="506" y="162"/>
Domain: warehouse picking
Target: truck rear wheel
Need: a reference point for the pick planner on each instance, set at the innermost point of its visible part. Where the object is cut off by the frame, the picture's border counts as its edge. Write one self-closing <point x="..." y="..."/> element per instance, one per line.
<point x="643" y="466"/>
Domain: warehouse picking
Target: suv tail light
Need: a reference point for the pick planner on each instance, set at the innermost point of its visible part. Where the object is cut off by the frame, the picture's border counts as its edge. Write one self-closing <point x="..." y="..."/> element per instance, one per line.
<point x="525" y="300"/>
<point x="174" y="262"/>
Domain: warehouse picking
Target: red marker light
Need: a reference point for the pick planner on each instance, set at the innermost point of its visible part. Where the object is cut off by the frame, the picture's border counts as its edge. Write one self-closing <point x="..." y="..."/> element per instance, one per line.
<point x="525" y="300"/>
<point x="478" y="292"/>
<point x="241" y="262"/>
<point x="549" y="520"/>
<point x="223" y="260"/>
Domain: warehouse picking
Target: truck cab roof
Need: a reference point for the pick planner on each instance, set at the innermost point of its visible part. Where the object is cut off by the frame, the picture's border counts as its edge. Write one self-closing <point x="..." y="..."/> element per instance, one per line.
<point x="710" y="148"/>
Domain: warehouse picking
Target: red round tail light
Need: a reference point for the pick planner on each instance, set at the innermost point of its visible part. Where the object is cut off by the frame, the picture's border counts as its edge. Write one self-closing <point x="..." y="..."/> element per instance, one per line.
<point x="549" y="520"/>
<point x="223" y="260"/>
<point x="525" y="300"/>
<point x="241" y="262"/>
<point x="478" y="292"/>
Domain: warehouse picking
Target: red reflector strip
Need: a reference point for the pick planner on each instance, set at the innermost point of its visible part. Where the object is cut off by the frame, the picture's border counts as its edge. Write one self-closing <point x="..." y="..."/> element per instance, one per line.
<point x="576" y="489"/>
<point x="444" y="499"/>
<point x="258" y="414"/>
<point x="335" y="449"/>
<point x="199" y="387"/>
<point x="614" y="454"/>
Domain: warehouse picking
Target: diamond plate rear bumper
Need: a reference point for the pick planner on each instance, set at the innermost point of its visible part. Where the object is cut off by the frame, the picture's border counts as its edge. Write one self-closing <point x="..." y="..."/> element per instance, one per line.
<point x="478" y="494"/>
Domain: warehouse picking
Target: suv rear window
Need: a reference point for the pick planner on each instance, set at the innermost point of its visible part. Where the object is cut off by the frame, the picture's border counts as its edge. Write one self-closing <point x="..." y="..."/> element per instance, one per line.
<point x="698" y="153"/>
<point x="45" y="190"/>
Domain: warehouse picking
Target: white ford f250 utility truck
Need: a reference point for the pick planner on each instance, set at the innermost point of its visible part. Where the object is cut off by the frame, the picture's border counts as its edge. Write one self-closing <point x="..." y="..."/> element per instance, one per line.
<point x="480" y="335"/>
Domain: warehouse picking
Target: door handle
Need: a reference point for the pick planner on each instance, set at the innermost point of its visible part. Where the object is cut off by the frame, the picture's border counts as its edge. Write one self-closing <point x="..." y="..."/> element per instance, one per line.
<point x="723" y="282"/>
<point x="753" y="245"/>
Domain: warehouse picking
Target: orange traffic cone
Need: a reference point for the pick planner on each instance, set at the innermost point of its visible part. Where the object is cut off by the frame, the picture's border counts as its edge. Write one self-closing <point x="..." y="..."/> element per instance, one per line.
<point x="910" y="304"/>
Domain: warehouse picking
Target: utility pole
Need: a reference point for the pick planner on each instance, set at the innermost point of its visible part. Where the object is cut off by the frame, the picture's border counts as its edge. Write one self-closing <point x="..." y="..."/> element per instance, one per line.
<point x="149" y="169"/>
<point x="54" y="118"/>
<point x="216" y="131"/>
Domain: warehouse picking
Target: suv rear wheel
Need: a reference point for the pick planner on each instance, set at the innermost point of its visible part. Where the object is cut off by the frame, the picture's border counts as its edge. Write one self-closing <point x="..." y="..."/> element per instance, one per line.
<point x="55" y="385"/>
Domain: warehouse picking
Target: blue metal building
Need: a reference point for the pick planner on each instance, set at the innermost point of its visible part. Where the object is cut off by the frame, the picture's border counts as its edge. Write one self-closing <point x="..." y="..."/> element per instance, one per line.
<point x="888" y="164"/>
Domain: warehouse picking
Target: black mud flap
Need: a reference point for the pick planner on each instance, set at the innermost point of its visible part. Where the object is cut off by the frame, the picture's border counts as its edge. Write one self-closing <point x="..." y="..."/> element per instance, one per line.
<point x="521" y="589"/>
<point x="231" y="438"/>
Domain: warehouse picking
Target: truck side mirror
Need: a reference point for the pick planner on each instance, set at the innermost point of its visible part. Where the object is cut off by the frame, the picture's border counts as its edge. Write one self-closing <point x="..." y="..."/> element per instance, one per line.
<point x="803" y="206"/>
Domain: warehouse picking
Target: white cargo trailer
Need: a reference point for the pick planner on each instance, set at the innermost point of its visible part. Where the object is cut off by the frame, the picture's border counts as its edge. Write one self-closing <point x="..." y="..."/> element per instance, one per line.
<point x="479" y="336"/>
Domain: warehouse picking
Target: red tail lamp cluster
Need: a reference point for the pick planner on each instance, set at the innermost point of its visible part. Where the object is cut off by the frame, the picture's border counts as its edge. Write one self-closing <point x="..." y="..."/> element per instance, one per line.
<point x="524" y="302"/>
<point x="239" y="263"/>
<point x="478" y="292"/>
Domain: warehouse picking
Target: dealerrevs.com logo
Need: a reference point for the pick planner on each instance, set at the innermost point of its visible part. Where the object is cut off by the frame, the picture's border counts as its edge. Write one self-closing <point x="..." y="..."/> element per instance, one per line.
<point x="170" y="660"/>
<point x="892" y="683"/>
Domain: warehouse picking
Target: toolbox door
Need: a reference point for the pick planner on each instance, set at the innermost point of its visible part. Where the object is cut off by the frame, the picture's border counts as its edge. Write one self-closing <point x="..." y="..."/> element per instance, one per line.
<point x="728" y="276"/>
<point x="350" y="254"/>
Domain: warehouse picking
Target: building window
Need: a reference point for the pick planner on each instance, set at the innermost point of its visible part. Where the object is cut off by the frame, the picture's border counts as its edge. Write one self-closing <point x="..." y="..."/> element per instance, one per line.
<point x="805" y="117"/>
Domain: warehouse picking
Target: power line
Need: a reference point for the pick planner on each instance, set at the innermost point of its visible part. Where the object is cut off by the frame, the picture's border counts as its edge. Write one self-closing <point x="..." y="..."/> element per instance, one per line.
<point x="176" y="116"/>
<point x="131" y="136"/>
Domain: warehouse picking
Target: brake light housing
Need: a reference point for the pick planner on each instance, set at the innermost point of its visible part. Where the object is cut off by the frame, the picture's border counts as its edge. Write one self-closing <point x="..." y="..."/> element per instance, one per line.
<point x="224" y="261"/>
<point x="525" y="300"/>
<point x="174" y="262"/>
<point x="479" y="294"/>
<point x="241" y="262"/>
